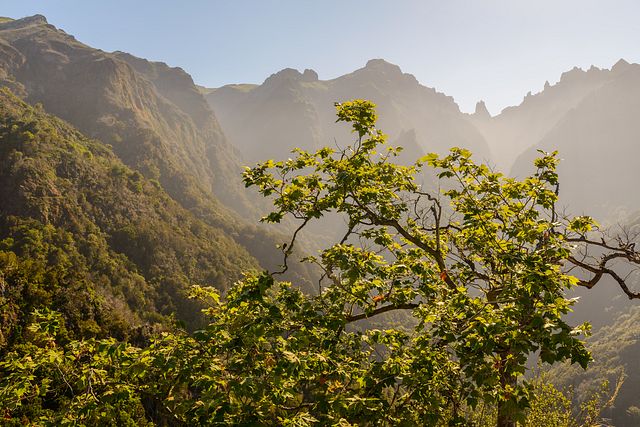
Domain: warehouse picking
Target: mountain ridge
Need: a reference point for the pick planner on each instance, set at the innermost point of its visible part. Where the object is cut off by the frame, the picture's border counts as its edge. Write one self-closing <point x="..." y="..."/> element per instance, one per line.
<point x="295" y="109"/>
<point x="95" y="227"/>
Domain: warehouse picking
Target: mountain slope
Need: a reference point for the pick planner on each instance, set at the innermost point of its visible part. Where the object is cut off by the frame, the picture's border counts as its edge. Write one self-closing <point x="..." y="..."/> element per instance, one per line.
<point x="151" y="115"/>
<point x="520" y="127"/>
<point x="94" y="227"/>
<point x="599" y="142"/>
<point x="292" y="109"/>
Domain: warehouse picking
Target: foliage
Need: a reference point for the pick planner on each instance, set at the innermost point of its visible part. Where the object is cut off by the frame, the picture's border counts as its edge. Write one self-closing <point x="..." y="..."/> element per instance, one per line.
<point x="482" y="273"/>
<point x="268" y="357"/>
<point x="615" y="348"/>
<point x="551" y="406"/>
<point x="93" y="239"/>
<point x="477" y="270"/>
<point x="50" y="384"/>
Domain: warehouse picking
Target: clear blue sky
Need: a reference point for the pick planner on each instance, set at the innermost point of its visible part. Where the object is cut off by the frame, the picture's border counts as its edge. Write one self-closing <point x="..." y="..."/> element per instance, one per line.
<point x="476" y="49"/>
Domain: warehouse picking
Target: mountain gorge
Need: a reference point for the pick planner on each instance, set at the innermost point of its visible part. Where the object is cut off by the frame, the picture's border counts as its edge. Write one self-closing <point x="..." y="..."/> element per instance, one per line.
<point x="147" y="183"/>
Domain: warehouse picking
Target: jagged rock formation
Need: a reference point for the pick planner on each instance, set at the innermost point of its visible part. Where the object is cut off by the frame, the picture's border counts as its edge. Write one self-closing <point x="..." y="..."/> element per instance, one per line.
<point x="292" y="109"/>
<point x="520" y="127"/>
<point x="592" y="120"/>
<point x="481" y="112"/>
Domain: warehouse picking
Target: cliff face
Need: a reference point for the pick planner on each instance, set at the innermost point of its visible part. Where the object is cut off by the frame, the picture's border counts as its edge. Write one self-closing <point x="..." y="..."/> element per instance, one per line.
<point x="293" y="109"/>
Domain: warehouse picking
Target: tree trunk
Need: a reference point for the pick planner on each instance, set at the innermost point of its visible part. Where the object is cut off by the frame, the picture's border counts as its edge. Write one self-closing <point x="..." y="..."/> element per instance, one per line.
<point x="504" y="418"/>
<point x="507" y="380"/>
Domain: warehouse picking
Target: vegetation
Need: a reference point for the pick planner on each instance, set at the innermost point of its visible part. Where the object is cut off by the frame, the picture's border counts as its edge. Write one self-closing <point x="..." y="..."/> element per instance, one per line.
<point x="615" y="348"/>
<point x="83" y="234"/>
<point x="478" y="270"/>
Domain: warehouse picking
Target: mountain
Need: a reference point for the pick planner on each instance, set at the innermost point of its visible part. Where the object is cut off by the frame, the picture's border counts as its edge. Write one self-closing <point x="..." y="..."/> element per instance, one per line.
<point x="589" y="117"/>
<point x="293" y="109"/>
<point x="598" y="139"/>
<point x="151" y="115"/>
<point x="94" y="238"/>
<point x="520" y="127"/>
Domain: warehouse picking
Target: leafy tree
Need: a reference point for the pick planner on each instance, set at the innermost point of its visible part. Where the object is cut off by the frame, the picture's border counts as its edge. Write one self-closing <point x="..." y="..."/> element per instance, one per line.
<point x="481" y="266"/>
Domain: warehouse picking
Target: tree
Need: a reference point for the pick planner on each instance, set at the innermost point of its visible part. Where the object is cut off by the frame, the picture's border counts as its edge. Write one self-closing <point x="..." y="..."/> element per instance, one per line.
<point x="482" y="266"/>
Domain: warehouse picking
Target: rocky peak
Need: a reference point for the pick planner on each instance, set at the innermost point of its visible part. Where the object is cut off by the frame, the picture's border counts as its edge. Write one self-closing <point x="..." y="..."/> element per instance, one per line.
<point x="382" y="71"/>
<point x="620" y="66"/>
<point x="481" y="110"/>
<point x="24" y="22"/>
<point x="574" y="72"/>
<point x="309" y="75"/>
<point x="288" y="74"/>
<point x="382" y="66"/>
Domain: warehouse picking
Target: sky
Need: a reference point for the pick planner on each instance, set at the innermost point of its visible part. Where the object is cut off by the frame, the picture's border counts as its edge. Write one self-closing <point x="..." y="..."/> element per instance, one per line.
<point x="494" y="50"/>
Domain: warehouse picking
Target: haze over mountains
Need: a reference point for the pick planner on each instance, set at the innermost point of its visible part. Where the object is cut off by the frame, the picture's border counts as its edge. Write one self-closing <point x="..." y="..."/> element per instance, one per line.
<point x="160" y="124"/>
<point x="580" y="115"/>
<point x="134" y="172"/>
<point x="590" y="117"/>
<point x="598" y="139"/>
<point x="296" y="109"/>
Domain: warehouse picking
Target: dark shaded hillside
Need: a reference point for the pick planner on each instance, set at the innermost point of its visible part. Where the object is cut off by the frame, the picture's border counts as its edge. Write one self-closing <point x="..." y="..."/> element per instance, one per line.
<point x="111" y="247"/>
<point x="292" y="109"/>
<point x="151" y="114"/>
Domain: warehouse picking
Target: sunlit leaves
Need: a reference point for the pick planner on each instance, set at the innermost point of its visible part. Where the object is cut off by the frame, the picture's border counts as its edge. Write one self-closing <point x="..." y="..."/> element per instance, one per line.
<point x="475" y="270"/>
<point x="481" y="261"/>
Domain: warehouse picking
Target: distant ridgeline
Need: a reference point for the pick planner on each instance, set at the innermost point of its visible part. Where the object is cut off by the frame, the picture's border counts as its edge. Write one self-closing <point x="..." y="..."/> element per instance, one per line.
<point x="589" y="116"/>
